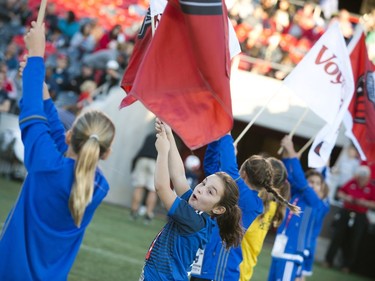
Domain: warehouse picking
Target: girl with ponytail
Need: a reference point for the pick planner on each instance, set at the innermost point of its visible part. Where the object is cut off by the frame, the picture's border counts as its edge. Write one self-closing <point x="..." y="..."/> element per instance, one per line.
<point x="90" y="139"/>
<point x="275" y="200"/>
<point x="190" y="213"/>
<point x="255" y="175"/>
<point x="43" y="232"/>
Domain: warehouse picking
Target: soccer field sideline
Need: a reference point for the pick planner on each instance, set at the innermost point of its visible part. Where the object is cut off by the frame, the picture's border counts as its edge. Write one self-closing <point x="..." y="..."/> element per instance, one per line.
<point x="114" y="246"/>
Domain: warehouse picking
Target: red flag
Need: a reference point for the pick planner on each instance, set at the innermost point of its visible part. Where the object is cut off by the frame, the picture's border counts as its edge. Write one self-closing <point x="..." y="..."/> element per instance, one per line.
<point x="184" y="75"/>
<point x="362" y="106"/>
<point x="142" y="42"/>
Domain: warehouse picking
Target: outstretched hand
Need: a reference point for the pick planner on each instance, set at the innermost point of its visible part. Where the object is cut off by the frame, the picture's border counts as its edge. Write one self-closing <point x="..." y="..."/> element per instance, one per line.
<point x="162" y="143"/>
<point x="35" y="40"/>
<point x="159" y="125"/>
<point x="288" y="146"/>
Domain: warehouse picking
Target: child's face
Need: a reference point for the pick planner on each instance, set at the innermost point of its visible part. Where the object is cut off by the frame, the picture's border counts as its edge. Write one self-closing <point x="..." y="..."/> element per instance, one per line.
<point x="316" y="183"/>
<point x="207" y="194"/>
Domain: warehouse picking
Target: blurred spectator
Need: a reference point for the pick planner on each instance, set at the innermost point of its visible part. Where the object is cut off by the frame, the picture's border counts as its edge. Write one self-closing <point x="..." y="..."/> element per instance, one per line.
<point x="273" y="52"/>
<point x="192" y="170"/>
<point x="368" y="22"/>
<point x="51" y="20"/>
<point x="67" y="108"/>
<point x="87" y="94"/>
<point x="68" y="25"/>
<point x="60" y="73"/>
<point x="110" y="39"/>
<point x="110" y="78"/>
<point x="5" y="102"/>
<point x="8" y="85"/>
<point x="253" y="45"/>
<point x="53" y="87"/>
<point x="57" y="39"/>
<point x="345" y="167"/>
<point x="82" y="44"/>
<point x="282" y="16"/>
<point x="86" y="73"/>
<point x="329" y="7"/>
<point x="351" y="223"/>
<point x="345" y="25"/>
<point x="11" y="57"/>
<point x="143" y="170"/>
<point x="304" y="22"/>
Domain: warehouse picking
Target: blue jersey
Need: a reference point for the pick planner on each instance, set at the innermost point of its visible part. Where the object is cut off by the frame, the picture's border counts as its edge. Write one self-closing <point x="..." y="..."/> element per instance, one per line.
<point x="296" y="228"/>
<point x="219" y="263"/>
<point x="173" y="251"/>
<point x="312" y="237"/>
<point x="39" y="240"/>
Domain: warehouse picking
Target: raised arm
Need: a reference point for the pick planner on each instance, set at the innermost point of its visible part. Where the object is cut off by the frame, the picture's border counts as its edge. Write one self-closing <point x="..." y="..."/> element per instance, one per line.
<point x="162" y="187"/>
<point x="296" y="175"/>
<point x="175" y="164"/>
<point x="228" y="159"/>
<point x="57" y="129"/>
<point x="34" y="125"/>
<point x="211" y="161"/>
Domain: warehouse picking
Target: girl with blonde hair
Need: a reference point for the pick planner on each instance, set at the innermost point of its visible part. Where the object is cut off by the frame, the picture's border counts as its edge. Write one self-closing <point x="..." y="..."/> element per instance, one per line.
<point x="44" y="230"/>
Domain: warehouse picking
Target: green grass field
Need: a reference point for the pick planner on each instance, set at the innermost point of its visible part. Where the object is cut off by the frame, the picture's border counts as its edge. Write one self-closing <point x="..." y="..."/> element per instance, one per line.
<point x="114" y="246"/>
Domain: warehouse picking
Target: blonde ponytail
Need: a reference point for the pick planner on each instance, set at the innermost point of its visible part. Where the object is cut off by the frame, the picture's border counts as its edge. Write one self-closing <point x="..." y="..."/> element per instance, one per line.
<point x="84" y="173"/>
<point x="92" y="136"/>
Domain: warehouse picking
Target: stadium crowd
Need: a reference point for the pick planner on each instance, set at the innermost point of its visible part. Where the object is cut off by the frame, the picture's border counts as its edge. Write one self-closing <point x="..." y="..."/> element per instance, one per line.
<point x="87" y="54"/>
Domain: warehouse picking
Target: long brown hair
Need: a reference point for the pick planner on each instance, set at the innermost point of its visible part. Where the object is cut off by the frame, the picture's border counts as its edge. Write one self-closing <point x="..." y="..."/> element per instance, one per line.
<point x="92" y="136"/>
<point x="229" y="222"/>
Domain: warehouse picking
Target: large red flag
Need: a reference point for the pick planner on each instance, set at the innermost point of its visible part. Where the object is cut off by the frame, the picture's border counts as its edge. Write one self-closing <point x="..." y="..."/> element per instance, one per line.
<point x="141" y="44"/>
<point x="362" y="106"/>
<point x="184" y="75"/>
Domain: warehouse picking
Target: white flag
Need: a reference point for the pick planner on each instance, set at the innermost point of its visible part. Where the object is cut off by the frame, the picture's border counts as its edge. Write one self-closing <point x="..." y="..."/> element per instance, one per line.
<point x="322" y="146"/>
<point x="157" y="7"/>
<point x="332" y="95"/>
<point x="324" y="77"/>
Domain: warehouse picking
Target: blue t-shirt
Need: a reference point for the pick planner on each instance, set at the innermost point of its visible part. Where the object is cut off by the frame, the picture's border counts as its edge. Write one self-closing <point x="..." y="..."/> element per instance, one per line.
<point x="219" y="263"/>
<point x="173" y="250"/>
<point x="312" y="237"/>
<point x="39" y="240"/>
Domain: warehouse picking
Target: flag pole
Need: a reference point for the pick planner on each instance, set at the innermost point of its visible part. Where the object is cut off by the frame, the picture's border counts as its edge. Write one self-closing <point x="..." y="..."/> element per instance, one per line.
<point x="302" y="150"/>
<point x="153" y="27"/>
<point x="254" y="118"/>
<point x="42" y="11"/>
<point x="293" y="131"/>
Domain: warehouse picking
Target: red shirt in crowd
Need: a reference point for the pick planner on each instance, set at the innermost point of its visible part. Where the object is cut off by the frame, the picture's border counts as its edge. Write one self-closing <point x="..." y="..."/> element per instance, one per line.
<point x="353" y="189"/>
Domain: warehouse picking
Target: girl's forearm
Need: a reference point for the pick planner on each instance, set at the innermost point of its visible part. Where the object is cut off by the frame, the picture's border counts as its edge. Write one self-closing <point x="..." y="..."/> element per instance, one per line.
<point x="176" y="167"/>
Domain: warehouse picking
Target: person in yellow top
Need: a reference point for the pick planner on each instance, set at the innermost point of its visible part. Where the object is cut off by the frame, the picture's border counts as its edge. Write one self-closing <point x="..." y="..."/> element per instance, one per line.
<point x="273" y="214"/>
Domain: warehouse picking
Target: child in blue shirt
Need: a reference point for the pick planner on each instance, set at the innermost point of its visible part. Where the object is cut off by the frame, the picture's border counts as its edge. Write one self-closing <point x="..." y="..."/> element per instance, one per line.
<point x="190" y="213"/>
<point x="44" y="230"/>
<point x="311" y="239"/>
<point x="289" y="248"/>
<point x="216" y="262"/>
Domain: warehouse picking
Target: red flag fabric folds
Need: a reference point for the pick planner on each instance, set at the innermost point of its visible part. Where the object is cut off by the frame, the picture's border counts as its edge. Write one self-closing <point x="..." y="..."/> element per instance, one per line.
<point x="140" y="47"/>
<point x="184" y="75"/>
<point x="362" y="106"/>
